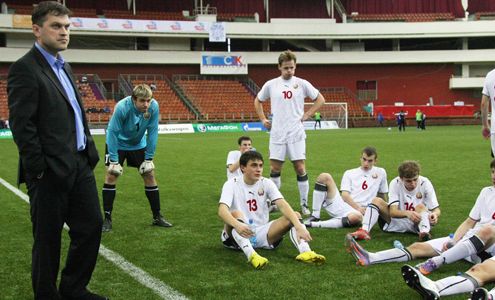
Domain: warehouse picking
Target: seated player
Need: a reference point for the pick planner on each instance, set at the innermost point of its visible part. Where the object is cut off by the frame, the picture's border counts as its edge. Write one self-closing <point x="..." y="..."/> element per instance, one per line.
<point x="245" y="200"/>
<point x="472" y="241"/>
<point x="359" y="186"/>
<point x="412" y="206"/>
<point x="469" y="282"/>
<point x="233" y="169"/>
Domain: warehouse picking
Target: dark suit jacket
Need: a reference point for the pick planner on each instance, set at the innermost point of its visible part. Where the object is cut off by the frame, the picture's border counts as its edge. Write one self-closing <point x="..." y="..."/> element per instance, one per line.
<point x="42" y="119"/>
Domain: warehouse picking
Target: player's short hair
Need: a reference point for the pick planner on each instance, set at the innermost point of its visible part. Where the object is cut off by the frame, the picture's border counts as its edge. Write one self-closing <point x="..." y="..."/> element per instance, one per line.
<point x="492" y="164"/>
<point x="287" y="55"/>
<point x="250" y="155"/>
<point x="242" y="139"/>
<point x="45" y="8"/>
<point x="142" y="91"/>
<point x="409" y="169"/>
<point x="370" y="151"/>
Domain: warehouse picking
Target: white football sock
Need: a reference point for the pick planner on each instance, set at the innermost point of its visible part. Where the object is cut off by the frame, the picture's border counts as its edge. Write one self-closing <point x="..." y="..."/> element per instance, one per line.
<point x="244" y="243"/>
<point x="300" y="244"/>
<point x="318" y="200"/>
<point x="331" y="223"/>
<point x="460" y="250"/>
<point x="424" y="224"/>
<point x="455" y="285"/>
<point x="303" y="186"/>
<point x="390" y="255"/>
<point x="370" y="217"/>
<point x="277" y="181"/>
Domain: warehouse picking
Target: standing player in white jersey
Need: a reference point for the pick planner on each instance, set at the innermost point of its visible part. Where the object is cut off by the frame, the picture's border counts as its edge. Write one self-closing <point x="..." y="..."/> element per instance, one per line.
<point x="472" y="240"/>
<point x="244" y="210"/>
<point x="233" y="169"/>
<point x="487" y="97"/>
<point x="359" y="187"/>
<point x="287" y="137"/>
<point x="412" y="206"/>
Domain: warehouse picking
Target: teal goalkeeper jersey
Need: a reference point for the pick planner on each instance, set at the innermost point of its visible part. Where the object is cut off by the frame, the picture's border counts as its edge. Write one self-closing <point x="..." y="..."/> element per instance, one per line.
<point x="128" y="126"/>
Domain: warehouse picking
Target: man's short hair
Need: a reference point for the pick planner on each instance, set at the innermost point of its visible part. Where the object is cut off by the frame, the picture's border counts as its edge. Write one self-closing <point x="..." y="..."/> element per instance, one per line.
<point x="142" y="91"/>
<point x="250" y="155"/>
<point x="409" y="169"/>
<point x="369" y="151"/>
<point x="492" y="164"/>
<point x="287" y="55"/>
<point x="242" y="139"/>
<point x="45" y="8"/>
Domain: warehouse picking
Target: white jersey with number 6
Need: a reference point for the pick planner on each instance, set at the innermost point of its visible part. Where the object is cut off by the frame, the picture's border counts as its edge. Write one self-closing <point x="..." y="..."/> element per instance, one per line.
<point x="287" y="103"/>
<point x="251" y="200"/>
<point x="364" y="185"/>
<point x="408" y="200"/>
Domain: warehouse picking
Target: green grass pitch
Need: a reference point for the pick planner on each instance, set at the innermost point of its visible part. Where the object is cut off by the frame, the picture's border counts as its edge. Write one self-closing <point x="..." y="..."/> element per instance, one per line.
<point x="189" y="257"/>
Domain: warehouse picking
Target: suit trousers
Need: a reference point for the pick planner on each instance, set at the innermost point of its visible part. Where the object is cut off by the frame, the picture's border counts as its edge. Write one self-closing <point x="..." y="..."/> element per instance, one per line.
<point x="73" y="200"/>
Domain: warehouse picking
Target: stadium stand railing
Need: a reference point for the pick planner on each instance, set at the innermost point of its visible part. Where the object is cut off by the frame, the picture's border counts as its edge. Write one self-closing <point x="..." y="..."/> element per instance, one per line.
<point x="403" y="17"/>
<point x="342" y="94"/>
<point x="219" y="98"/>
<point x="172" y="106"/>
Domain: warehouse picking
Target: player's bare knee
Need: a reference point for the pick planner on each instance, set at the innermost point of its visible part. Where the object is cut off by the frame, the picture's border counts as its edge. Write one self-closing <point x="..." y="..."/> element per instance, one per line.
<point x="355" y="219"/>
<point x="481" y="273"/>
<point x="110" y="178"/>
<point x="486" y="232"/>
<point x="421" y="249"/>
<point x="378" y="201"/>
<point x="420" y="208"/>
<point x="324" y="178"/>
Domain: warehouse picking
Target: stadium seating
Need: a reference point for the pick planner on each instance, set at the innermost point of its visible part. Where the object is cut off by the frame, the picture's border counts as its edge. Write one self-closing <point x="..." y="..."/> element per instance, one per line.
<point x="354" y="108"/>
<point x="4" y="110"/>
<point x="408" y="17"/>
<point x="220" y="99"/>
<point x="171" y="107"/>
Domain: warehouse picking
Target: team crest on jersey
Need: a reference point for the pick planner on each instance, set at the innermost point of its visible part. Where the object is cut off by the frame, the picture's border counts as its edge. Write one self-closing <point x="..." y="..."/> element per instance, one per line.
<point x="146" y="115"/>
<point x="419" y="195"/>
<point x="261" y="192"/>
<point x="295" y="86"/>
<point x="374" y="176"/>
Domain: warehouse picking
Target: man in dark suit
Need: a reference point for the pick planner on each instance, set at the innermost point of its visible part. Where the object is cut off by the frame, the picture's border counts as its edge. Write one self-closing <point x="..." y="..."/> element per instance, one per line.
<point x="57" y="158"/>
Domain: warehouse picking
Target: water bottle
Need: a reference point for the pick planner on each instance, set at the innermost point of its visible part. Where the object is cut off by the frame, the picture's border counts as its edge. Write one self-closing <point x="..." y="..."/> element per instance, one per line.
<point x="252" y="239"/>
<point x="398" y="245"/>
<point x="450" y="243"/>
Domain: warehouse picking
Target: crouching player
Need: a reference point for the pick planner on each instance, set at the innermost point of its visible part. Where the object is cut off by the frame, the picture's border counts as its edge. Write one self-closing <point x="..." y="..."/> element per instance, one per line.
<point x="244" y="208"/>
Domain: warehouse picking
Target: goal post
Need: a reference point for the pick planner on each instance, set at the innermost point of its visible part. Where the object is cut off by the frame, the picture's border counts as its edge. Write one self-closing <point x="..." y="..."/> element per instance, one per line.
<point x="333" y="111"/>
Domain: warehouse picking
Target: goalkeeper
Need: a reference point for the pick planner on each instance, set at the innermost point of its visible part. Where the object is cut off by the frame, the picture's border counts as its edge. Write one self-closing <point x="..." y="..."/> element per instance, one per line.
<point x="126" y="140"/>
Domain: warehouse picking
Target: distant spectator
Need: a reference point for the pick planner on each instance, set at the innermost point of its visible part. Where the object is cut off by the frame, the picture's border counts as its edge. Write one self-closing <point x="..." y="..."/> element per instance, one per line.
<point x="401" y="120"/>
<point x="419" y="119"/>
<point x="380" y="119"/>
<point x="317" y="119"/>
<point x="153" y="87"/>
<point x="107" y="110"/>
<point x="84" y="79"/>
<point x="2" y="124"/>
<point x="423" y="121"/>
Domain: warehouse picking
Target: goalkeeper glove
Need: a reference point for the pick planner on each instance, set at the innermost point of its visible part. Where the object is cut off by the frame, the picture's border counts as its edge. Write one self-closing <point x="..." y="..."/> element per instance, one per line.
<point x="115" y="168"/>
<point x="146" y="167"/>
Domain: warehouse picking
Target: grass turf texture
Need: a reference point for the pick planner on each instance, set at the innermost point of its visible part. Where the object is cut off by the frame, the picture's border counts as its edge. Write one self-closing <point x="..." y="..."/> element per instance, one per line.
<point x="189" y="257"/>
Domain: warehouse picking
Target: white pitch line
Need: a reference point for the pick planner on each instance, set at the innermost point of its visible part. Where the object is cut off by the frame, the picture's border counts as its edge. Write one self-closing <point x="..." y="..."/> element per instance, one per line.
<point x="157" y="286"/>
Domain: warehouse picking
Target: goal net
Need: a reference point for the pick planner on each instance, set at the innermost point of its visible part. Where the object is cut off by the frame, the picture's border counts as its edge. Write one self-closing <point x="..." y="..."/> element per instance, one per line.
<point x="332" y="113"/>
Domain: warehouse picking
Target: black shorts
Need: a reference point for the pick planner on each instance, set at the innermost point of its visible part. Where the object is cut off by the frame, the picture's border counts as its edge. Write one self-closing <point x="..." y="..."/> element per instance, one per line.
<point x="134" y="158"/>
